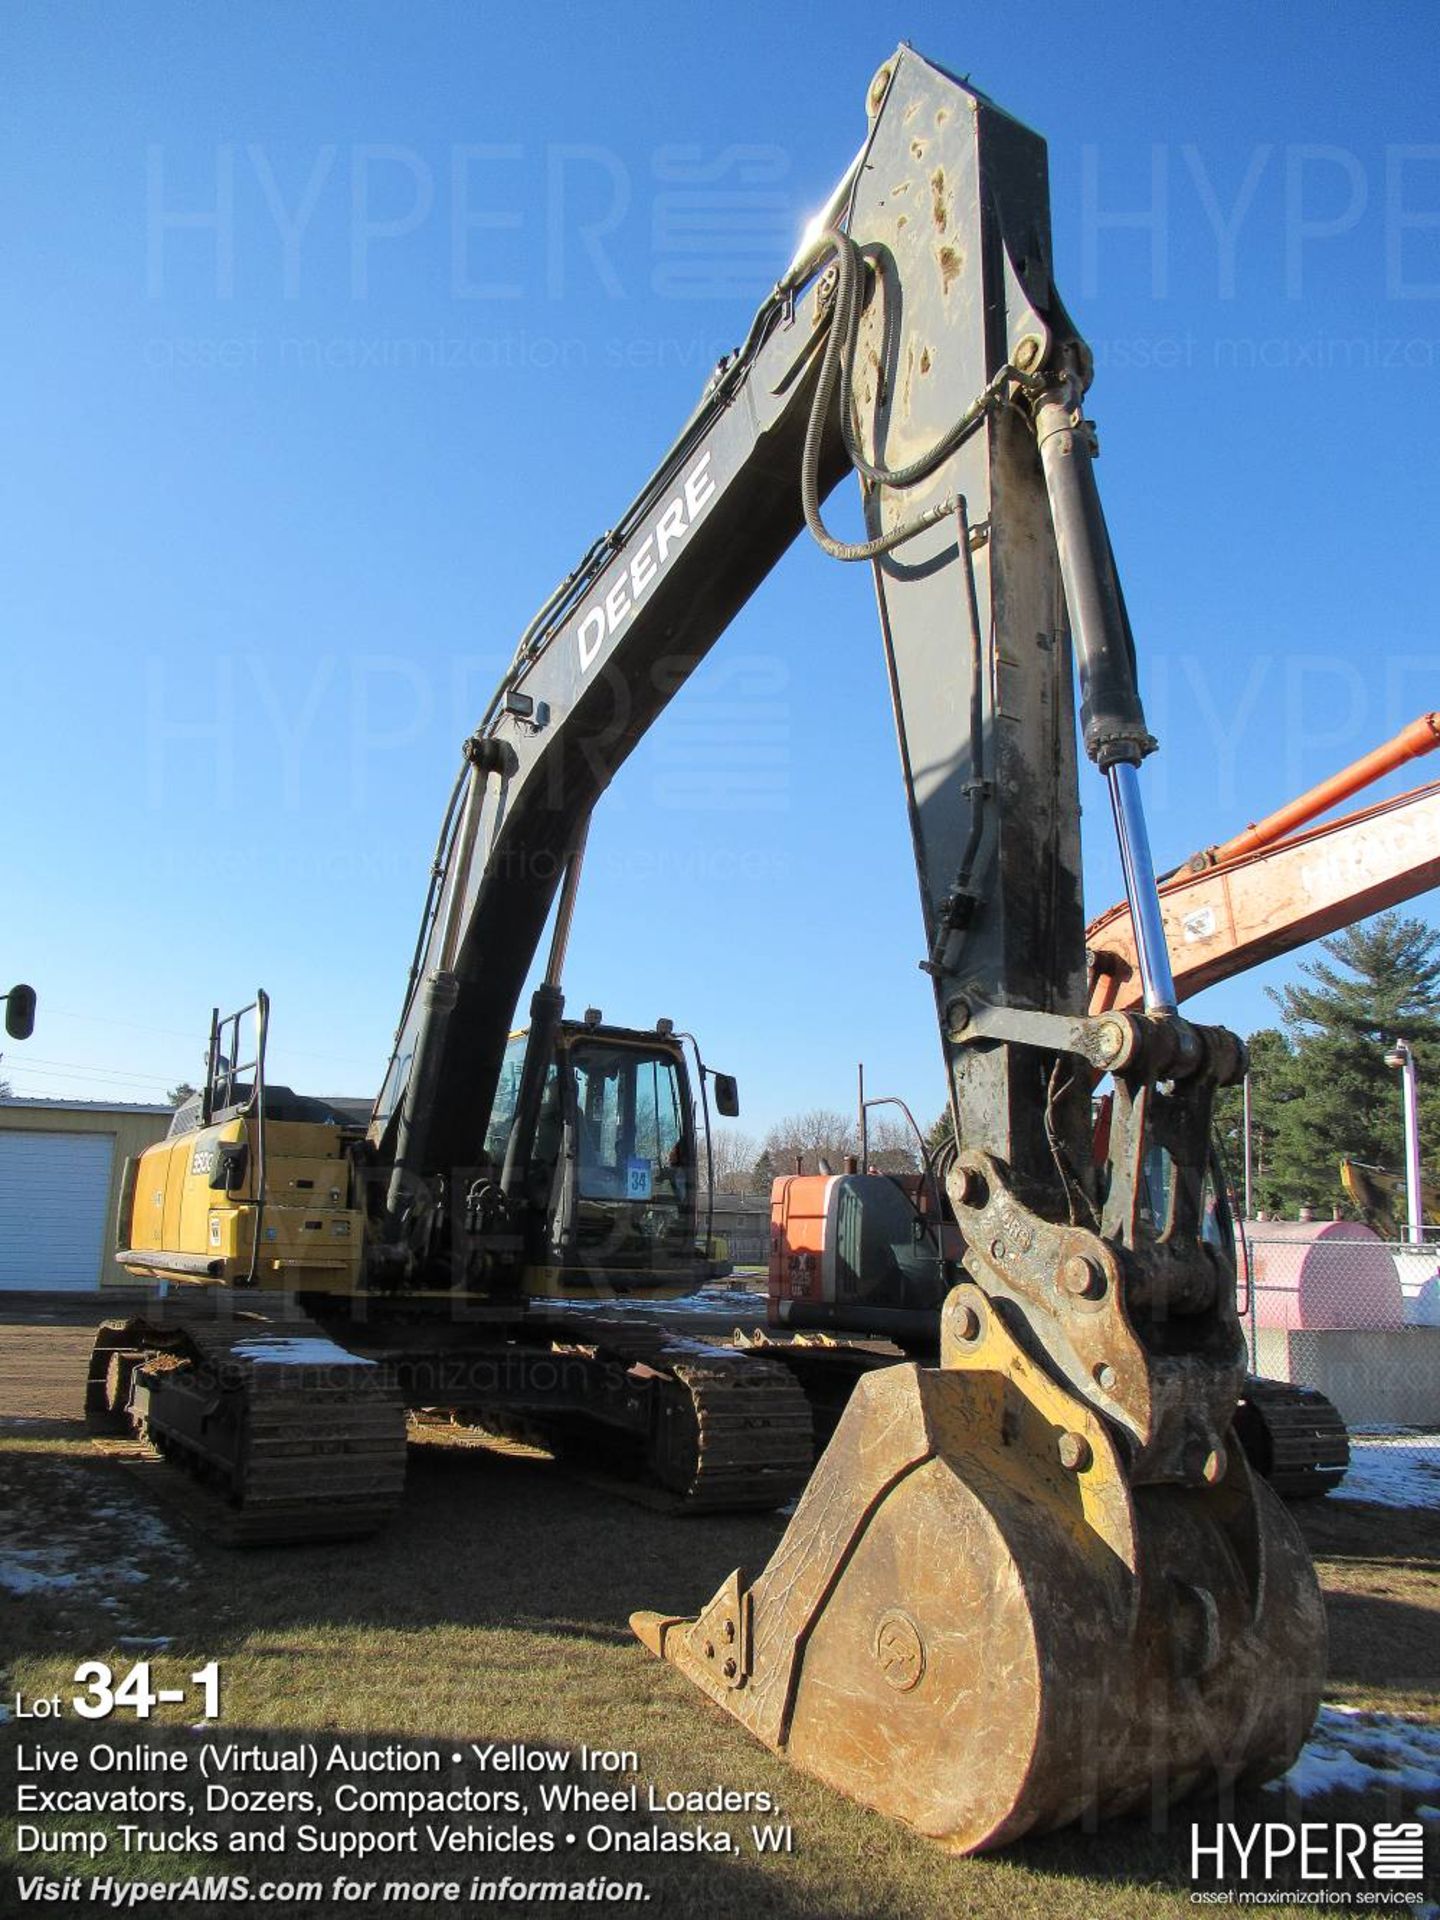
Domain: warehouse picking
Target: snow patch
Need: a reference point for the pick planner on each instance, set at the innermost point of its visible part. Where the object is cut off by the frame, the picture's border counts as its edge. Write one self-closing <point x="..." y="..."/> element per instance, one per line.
<point x="1351" y="1750"/>
<point x="91" y="1554"/>
<point x="52" y="1570"/>
<point x="35" y="1571"/>
<point x="711" y="1302"/>
<point x="1399" y="1472"/>
<point x="298" y="1350"/>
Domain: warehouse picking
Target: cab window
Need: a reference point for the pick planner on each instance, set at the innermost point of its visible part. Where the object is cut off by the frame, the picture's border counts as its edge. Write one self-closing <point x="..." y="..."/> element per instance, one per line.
<point x="507" y="1093"/>
<point x="629" y="1123"/>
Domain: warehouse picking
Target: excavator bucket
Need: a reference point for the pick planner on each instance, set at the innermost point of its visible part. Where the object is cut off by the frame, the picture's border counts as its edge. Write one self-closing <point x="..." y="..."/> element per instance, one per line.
<point x="976" y="1625"/>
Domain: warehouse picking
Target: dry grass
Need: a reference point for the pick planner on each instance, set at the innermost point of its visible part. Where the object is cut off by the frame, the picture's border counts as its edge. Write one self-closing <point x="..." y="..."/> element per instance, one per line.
<point x="495" y="1608"/>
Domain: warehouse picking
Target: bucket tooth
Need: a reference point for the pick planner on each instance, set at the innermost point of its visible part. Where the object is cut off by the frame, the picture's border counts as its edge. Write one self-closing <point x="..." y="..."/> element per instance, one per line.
<point x="720" y="1637"/>
<point x="975" y="1625"/>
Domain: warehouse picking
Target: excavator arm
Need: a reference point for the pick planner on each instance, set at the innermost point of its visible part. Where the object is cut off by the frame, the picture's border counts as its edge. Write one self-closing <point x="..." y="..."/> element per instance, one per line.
<point x="920" y="341"/>
<point x="1037" y="1581"/>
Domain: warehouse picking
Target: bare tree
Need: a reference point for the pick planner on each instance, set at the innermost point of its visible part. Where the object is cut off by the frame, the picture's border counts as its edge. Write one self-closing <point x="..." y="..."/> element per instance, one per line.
<point x="813" y="1136"/>
<point x="892" y="1146"/>
<point x="822" y="1134"/>
<point x="733" y="1155"/>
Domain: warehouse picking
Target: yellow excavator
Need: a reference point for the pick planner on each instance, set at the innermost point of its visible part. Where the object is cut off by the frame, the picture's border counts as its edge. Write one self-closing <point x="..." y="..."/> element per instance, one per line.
<point x="1035" y="1581"/>
<point x="1380" y="1195"/>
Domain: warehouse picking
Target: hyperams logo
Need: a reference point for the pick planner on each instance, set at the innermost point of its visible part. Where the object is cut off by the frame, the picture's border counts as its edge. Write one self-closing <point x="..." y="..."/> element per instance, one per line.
<point x="647" y="561"/>
<point x="1315" y="1851"/>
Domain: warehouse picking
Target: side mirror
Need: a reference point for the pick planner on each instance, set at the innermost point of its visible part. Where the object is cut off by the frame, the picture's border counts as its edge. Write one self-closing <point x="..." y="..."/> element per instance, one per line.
<point x="20" y="1012"/>
<point x="727" y="1095"/>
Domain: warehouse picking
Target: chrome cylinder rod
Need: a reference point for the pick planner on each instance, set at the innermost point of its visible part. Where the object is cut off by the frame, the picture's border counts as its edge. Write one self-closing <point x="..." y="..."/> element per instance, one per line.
<point x="1151" y="952"/>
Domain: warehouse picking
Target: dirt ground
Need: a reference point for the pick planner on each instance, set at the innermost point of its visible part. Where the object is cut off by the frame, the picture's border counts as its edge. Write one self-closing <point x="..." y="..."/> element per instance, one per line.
<point x="42" y="1368"/>
<point x="495" y="1607"/>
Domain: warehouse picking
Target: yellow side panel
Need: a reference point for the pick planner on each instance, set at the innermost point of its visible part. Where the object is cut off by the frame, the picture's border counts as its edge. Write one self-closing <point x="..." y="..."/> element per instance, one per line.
<point x="147" y="1221"/>
<point x="176" y="1210"/>
<point x="159" y="1181"/>
<point x="197" y="1196"/>
<point x="175" y="1177"/>
<point x="300" y="1247"/>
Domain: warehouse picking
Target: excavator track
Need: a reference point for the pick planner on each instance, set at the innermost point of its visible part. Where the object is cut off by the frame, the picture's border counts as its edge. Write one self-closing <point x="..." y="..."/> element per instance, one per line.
<point x="1293" y="1436"/>
<point x="726" y="1432"/>
<point x="290" y="1437"/>
<point x="732" y="1434"/>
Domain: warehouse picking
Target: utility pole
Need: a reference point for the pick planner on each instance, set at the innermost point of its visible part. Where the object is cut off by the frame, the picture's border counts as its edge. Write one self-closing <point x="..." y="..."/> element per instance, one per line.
<point x="1401" y="1057"/>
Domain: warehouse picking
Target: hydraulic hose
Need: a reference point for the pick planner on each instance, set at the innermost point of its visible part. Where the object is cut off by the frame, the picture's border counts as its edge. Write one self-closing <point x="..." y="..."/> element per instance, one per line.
<point x="835" y="372"/>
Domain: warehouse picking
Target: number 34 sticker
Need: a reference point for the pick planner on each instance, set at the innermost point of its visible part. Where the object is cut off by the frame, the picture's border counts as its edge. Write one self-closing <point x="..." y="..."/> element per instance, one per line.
<point x="637" y="1179"/>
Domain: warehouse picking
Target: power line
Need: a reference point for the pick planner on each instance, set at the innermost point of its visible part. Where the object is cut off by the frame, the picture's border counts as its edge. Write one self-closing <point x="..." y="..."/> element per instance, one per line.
<point x="112" y="1089"/>
<point x="84" y="1070"/>
<point x="176" y="1033"/>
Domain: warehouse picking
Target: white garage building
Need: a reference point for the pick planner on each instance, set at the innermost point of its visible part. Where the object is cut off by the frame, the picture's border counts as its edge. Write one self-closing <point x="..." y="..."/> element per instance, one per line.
<point x="61" y="1164"/>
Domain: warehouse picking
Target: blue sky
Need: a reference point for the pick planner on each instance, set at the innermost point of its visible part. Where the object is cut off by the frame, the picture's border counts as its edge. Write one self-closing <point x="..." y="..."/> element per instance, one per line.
<point x="281" y="489"/>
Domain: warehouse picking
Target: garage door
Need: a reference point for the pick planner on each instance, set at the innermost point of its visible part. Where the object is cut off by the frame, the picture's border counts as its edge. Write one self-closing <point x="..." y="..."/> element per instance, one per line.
<point x="54" y="1189"/>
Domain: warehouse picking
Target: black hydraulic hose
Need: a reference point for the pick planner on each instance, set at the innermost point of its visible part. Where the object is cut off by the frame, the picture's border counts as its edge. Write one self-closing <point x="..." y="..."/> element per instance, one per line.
<point x="958" y="907"/>
<point x="438" y="868"/>
<point x="976" y="785"/>
<point x="1230" y="1222"/>
<point x="847" y="303"/>
<point x="835" y="372"/>
<point x="927" y="1168"/>
<point x="709" y="1156"/>
<point x="547" y="1005"/>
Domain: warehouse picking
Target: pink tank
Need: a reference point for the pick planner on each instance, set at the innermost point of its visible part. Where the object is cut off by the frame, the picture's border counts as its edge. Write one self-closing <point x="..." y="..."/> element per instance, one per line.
<point x="1321" y="1273"/>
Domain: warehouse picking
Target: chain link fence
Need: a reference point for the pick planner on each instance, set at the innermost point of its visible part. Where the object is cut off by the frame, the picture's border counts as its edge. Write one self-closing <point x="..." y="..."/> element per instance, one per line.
<point x="1331" y="1306"/>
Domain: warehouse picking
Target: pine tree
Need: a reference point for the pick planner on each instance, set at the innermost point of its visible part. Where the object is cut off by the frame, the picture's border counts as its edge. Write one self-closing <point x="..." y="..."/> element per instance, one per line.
<point x="1380" y="981"/>
<point x="1274" y="1085"/>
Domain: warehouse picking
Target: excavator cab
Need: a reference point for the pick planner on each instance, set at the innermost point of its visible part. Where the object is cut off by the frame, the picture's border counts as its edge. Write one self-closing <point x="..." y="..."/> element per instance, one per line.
<point x="614" y="1161"/>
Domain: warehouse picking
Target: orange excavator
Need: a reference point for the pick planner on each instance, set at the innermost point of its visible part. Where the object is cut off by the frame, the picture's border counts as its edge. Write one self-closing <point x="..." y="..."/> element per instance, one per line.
<point x="1284" y="881"/>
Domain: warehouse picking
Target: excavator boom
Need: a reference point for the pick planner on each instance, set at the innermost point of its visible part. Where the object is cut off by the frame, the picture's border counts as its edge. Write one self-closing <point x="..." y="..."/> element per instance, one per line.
<point x="970" y="581"/>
